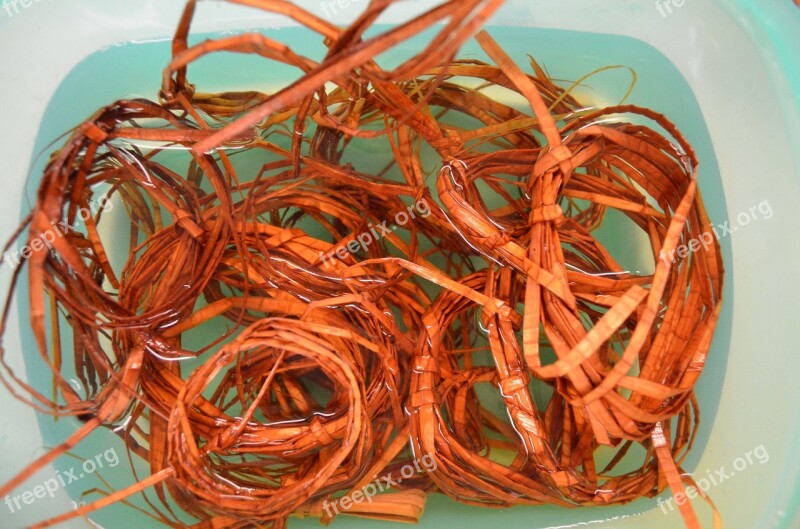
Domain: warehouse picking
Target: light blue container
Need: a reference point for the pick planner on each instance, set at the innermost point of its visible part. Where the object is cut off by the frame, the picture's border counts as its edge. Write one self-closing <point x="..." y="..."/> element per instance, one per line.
<point x="727" y="72"/>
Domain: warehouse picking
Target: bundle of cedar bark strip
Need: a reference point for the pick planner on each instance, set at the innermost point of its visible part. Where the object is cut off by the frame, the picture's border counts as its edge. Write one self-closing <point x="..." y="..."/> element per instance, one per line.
<point x="283" y="327"/>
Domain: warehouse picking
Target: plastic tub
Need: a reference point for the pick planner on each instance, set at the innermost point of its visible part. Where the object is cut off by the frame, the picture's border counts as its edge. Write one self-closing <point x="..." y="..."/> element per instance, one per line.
<point x="733" y="86"/>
